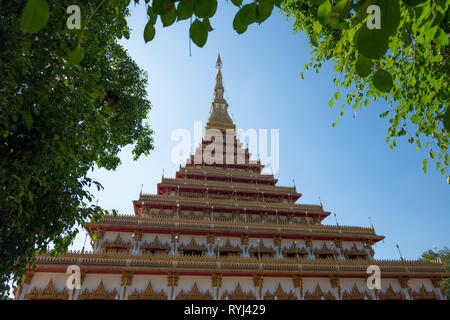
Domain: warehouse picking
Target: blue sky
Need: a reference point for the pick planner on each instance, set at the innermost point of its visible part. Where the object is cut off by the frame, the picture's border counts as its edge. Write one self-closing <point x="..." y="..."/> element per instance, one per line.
<point x="350" y="166"/>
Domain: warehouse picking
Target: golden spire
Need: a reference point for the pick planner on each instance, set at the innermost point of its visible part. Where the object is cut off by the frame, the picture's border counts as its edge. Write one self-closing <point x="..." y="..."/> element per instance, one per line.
<point x="218" y="114"/>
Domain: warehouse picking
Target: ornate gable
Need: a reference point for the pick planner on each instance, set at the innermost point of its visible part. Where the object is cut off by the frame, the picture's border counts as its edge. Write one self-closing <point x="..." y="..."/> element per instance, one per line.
<point x="155" y="245"/>
<point x="390" y="294"/>
<point x="98" y="294"/>
<point x="48" y="293"/>
<point x="424" y="294"/>
<point x="148" y="294"/>
<point x="238" y="294"/>
<point x="318" y="294"/>
<point x="355" y="294"/>
<point x="279" y="294"/>
<point x="118" y="245"/>
<point x="192" y="246"/>
<point x="194" y="294"/>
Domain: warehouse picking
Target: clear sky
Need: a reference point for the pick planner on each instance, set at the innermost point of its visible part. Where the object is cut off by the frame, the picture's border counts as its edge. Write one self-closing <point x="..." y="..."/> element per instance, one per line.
<point x="350" y="166"/>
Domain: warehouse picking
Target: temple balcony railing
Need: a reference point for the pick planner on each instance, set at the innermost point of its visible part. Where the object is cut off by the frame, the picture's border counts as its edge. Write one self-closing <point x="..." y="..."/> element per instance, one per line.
<point x="180" y="224"/>
<point x="191" y="262"/>
<point x="250" y="204"/>
<point x="229" y="185"/>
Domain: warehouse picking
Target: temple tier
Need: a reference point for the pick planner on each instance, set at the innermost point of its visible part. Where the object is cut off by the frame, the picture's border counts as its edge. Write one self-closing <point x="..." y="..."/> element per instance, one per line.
<point x="221" y="229"/>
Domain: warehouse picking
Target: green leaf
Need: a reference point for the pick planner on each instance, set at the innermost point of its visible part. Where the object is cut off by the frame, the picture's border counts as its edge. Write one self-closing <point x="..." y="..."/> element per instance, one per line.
<point x="371" y="43"/>
<point x="431" y="154"/>
<point x="424" y="167"/>
<point x="441" y="38"/>
<point x="278" y="3"/>
<point x="149" y="32"/>
<point x="390" y="15"/>
<point x="74" y="57"/>
<point x="340" y="5"/>
<point x="237" y="3"/>
<point x="314" y="39"/>
<point x="238" y="25"/>
<point x="169" y="17"/>
<point x="198" y="33"/>
<point x="414" y="3"/>
<point x="151" y="15"/>
<point x="203" y="8"/>
<point x="265" y="8"/>
<point x="324" y="12"/>
<point x="34" y="16"/>
<point x="248" y="13"/>
<point x="213" y="9"/>
<point x="330" y="103"/>
<point x="28" y="120"/>
<point x="382" y="80"/>
<point x="185" y="9"/>
<point x="363" y="66"/>
<point x="337" y="95"/>
<point x="160" y="7"/>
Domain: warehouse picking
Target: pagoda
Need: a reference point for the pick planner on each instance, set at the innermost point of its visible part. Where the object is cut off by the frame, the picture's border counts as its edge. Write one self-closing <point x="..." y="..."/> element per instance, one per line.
<point x="221" y="229"/>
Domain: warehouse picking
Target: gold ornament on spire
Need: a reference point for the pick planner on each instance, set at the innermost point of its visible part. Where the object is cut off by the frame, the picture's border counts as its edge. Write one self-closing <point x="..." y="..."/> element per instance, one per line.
<point x="218" y="114"/>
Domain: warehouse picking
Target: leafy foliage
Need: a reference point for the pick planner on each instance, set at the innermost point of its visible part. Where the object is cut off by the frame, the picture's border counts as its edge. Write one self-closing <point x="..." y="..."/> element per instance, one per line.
<point x="405" y="62"/>
<point x="444" y="256"/>
<point x="69" y="100"/>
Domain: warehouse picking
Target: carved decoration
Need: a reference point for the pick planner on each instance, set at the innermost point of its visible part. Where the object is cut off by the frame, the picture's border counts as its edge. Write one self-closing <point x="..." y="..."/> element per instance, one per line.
<point x="148" y="294"/>
<point x="172" y="279"/>
<point x="277" y="241"/>
<point x="338" y="243"/>
<point x="424" y="294"/>
<point x="127" y="278"/>
<point x="118" y="245"/>
<point x="279" y="294"/>
<point x="210" y="238"/>
<point x="354" y="252"/>
<point x="318" y="294"/>
<point x="137" y="235"/>
<point x="229" y="248"/>
<point x="238" y="294"/>
<point x="403" y="282"/>
<point x="437" y="282"/>
<point x="98" y="294"/>
<point x="156" y="246"/>
<point x="192" y="246"/>
<point x="292" y="251"/>
<point x="390" y="294"/>
<point x="263" y="250"/>
<point x="48" y="293"/>
<point x="355" y="294"/>
<point x="244" y="239"/>
<point x="308" y="242"/>
<point x="194" y="294"/>
<point x="216" y="280"/>
<point x="324" y="251"/>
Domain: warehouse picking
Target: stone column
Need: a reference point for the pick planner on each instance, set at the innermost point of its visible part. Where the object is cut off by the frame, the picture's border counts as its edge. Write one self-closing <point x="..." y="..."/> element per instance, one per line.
<point x="258" y="282"/>
<point x="336" y="285"/>
<point x="127" y="278"/>
<point x="216" y="282"/>
<point x="172" y="281"/>
<point x="405" y="287"/>
<point x="298" y="283"/>
<point x="437" y="286"/>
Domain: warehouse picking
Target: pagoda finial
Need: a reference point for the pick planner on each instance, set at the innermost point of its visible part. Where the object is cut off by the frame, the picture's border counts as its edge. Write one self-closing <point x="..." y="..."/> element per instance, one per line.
<point x="219" y="62"/>
<point x="218" y="114"/>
